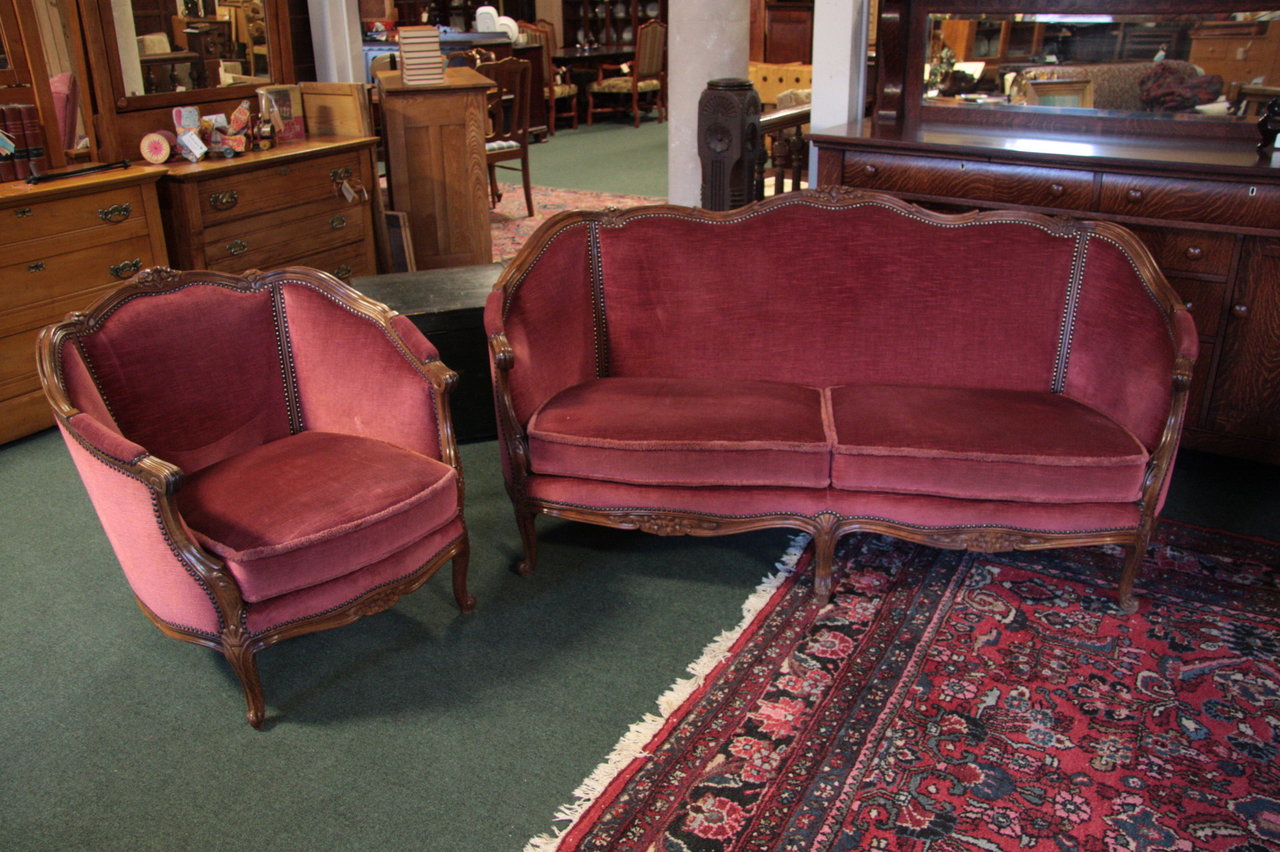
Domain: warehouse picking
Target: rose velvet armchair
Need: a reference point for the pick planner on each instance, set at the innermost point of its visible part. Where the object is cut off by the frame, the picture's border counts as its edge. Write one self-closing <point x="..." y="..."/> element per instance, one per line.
<point x="269" y="455"/>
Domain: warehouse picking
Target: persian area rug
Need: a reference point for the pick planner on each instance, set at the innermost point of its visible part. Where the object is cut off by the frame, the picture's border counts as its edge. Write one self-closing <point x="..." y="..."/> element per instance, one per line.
<point x="511" y="226"/>
<point x="956" y="701"/>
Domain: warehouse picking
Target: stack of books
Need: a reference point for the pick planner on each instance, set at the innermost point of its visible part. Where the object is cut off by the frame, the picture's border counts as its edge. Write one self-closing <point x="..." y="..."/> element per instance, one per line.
<point x="421" y="61"/>
<point x="22" y="150"/>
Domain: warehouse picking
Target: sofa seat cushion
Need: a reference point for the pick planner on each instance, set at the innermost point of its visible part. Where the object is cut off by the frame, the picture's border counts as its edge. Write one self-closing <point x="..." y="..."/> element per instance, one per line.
<point x="654" y="431"/>
<point x="309" y="508"/>
<point x="981" y="444"/>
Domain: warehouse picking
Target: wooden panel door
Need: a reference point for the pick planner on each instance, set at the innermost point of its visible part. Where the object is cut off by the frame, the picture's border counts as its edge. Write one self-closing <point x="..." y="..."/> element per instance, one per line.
<point x="1246" y="394"/>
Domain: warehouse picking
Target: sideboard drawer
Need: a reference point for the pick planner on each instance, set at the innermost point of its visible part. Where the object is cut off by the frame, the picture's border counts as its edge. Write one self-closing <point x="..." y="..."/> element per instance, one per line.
<point x="61" y="216"/>
<point x="947" y="177"/>
<point x="1218" y="202"/>
<point x="1204" y="299"/>
<point x="263" y="240"/>
<point x="1199" y="252"/>
<point x="277" y="186"/>
<point x="33" y="288"/>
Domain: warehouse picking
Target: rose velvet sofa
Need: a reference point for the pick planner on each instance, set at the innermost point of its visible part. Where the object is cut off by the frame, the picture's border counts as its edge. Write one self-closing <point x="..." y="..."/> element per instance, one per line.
<point x="837" y="361"/>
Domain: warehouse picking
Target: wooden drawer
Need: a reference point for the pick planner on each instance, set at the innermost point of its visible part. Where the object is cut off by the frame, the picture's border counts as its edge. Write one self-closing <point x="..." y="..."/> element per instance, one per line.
<point x="18" y="363"/>
<point x="31" y="294"/>
<point x="1197" y="252"/>
<point x="1204" y="299"/>
<point x="23" y="415"/>
<point x="274" y="187"/>
<point x="261" y="241"/>
<point x="970" y="179"/>
<point x="57" y="217"/>
<point x="345" y="262"/>
<point x="1218" y="202"/>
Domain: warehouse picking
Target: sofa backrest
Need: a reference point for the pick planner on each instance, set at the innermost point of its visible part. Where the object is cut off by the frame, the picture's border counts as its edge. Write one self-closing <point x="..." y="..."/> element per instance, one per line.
<point x="844" y="288"/>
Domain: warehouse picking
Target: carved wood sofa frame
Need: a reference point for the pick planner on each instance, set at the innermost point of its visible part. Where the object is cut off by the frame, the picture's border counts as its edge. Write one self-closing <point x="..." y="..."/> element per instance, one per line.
<point x="646" y="511"/>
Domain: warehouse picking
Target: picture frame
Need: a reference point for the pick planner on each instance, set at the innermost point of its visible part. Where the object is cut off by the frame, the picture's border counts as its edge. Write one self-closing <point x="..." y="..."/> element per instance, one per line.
<point x="1060" y="93"/>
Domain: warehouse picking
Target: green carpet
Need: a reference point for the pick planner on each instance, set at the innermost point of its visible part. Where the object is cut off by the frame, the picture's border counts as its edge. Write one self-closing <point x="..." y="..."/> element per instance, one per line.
<point x="606" y="157"/>
<point x="418" y="728"/>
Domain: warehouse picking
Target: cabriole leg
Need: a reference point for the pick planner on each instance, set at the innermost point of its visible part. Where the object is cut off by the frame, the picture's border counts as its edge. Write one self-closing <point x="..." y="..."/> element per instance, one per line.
<point x="242" y="661"/>
<point x="461" y="560"/>
<point x="528" y="540"/>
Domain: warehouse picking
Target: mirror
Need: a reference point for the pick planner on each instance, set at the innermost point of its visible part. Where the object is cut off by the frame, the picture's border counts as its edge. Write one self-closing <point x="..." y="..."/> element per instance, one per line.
<point x="190" y="45"/>
<point x="1224" y="65"/>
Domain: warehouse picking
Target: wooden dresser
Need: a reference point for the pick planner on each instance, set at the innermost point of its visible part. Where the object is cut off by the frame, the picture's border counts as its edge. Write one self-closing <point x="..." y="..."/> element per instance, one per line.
<point x="436" y="165"/>
<point x="1210" y="213"/>
<point x="309" y="203"/>
<point x="62" y="245"/>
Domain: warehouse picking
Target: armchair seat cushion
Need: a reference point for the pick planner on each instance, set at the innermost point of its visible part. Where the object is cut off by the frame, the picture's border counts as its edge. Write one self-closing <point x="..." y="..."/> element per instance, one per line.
<point x="621" y="85"/>
<point x="314" y="506"/>
<point x="691" y="432"/>
<point x="981" y="444"/>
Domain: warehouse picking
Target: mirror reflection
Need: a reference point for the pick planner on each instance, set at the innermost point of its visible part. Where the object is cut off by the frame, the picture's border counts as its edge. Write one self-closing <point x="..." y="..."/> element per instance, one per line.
<point x="1216" y="65"/>
<point x="183" y="45"/>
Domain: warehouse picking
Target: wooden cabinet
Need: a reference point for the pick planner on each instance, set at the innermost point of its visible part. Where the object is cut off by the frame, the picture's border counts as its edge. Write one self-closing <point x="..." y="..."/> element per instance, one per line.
<point x="993" y="41"/>
<point x="1211" y="220"/>
<point x="436" y="165"/>
<point x="309" y="203"/>
<point x="1240" y="51"/>
<point x="608" y="21"/>
<point x="62" y="246"/>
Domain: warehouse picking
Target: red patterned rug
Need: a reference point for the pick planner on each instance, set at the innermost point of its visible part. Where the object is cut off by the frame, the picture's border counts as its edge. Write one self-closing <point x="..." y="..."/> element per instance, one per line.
<point x="512" y="226"/>
<point x="957" y="701"/>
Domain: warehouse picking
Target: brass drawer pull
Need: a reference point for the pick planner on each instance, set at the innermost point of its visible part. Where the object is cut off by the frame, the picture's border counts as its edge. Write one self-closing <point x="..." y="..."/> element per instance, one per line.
<point x="1240" y="311"/>
<point x="116" y="213"/>
<point x="237" y="247"/>
<point x="1134" y="195"/>
<point x="38" y="266"/>
<point x="128" y="269"/>
<point x="1056" y="189"/>
<point x="224" y="200"/>
<point x="1194" y="252"/>
<point x="338" y="222"/>
<point x="870" y="170"/>
<point x="339" y="175"/>
<point x="343" y="271"/>
<point x="22" y="212"/>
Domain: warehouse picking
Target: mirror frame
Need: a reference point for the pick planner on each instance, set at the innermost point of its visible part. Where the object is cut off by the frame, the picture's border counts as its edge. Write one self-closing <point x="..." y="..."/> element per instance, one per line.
<point x="122" y="120"/>
<point x="901" y="52"/>
<point x="277" y="46"/>
<point x="11" y="42"/>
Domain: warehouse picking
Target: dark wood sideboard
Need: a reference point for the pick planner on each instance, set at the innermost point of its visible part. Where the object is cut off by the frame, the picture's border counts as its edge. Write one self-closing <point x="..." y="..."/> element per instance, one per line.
<point x="1210" y="213"/>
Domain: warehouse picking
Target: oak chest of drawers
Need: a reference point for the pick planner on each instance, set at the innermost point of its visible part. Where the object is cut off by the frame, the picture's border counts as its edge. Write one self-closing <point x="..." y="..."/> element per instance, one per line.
<point x="307" y="203"/>
<point x="63" y="245"/>
<point x="1209" y="214"/>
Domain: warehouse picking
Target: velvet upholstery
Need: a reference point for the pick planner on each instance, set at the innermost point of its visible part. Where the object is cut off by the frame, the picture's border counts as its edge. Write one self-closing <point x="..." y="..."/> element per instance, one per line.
<point x="840" y="360"/>
<point x="268" y="456"/>
<point x="684" y="432"/>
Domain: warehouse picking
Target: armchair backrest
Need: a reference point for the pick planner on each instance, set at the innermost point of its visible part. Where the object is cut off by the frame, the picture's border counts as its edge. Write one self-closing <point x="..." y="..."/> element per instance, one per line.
<point x="192" y="370"/>
<point x="545" y="37"/>
<point x="651" y="49"/>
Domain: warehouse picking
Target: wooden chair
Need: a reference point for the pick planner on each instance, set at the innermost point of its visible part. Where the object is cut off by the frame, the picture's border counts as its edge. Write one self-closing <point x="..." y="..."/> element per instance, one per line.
<point x="556" y="87"/>
<point x="508" y="136"/>
<point x="646" y="74"/>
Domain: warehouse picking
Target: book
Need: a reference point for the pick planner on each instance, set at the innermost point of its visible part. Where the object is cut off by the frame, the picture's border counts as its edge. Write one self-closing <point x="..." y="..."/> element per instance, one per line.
<point x="36" y="154"/>
<point x="7" y="147"/>
<point x="16" y="128"/>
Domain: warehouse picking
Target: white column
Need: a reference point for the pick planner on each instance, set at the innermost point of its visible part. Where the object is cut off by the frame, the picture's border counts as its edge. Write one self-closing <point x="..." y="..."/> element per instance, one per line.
<point x="336" y="37"/>
<point x="839" y="66"/>
<point x="706" y="40"/>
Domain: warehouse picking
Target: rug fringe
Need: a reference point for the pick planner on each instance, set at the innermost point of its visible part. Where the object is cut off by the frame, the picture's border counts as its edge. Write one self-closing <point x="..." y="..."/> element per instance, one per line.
<point x="634" y="742"/>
